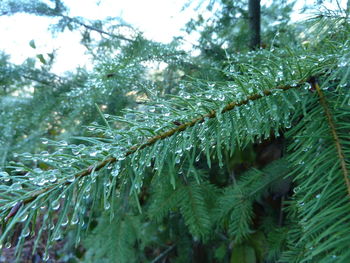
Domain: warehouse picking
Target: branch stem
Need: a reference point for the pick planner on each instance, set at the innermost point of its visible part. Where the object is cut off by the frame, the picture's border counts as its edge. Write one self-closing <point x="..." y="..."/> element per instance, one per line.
<point x="212" y="114"/>
<point x="333" y="129"/>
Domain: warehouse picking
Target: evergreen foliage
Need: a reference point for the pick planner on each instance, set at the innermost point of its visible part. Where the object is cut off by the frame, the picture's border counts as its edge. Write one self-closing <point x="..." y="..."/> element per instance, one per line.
<point x="250" y="164"/>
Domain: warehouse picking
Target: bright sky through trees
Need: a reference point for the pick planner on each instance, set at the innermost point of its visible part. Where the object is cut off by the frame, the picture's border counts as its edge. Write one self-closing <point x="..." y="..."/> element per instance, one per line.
<point x="160" y="20"/>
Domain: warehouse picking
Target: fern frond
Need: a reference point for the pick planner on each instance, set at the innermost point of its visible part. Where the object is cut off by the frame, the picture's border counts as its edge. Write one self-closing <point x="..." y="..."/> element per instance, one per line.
<point x="194" y="209"/>
<point x="113" y="242"/>
<point x="235" y="205"/>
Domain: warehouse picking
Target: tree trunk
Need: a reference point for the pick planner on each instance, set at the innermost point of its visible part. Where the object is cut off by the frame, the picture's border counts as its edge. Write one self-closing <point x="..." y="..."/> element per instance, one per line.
<point x="254" y="23"/>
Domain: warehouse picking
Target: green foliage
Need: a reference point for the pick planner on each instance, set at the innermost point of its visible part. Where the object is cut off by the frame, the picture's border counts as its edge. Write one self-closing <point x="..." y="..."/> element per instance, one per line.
<point x="273" y="124"/>
<point x="113" y="242"/>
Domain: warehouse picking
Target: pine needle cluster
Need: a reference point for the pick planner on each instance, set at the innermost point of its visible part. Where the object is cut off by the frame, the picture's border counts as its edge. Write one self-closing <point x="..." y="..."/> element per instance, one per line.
<point x="154" y="173"/>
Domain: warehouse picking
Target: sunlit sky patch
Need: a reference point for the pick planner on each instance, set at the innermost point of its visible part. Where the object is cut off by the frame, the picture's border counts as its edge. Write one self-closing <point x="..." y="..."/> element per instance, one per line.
<point x="160" y="20"/>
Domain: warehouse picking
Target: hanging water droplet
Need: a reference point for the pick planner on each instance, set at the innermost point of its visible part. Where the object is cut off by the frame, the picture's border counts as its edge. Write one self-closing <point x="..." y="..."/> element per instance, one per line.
<point x="45" y="141"/>
<point x="93" y="154"/>
<point x="65" y="222"/>
<point x="7" y="245"/>
<point x="221" y="97"/>
<point x="71" y="179"/>
<point x="57" y="236"/>
<point x="26" y="233"/>
<point x="75" y="151"/>
<point x="197" y="158"/>
<point x="188" y="147"/>
<point x="115" y="172"/>
<point x="55" y="205"/>
<point x="24" y="218"/>
<point x="179" y="151"/>
<point x="107" y="205"/>
<point x="63" y="143"/>
<point x="27" y="155"/>
<point x="53" y="178"/>
<point x="4" y="174"/>
<point x="74" y="220"/>
<point x="46" y="257"/>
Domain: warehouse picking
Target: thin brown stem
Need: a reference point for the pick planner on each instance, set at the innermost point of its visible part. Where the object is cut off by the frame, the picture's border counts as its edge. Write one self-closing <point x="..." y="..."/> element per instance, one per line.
<point x="212" y="114"/>
<point x="333" y="129"/>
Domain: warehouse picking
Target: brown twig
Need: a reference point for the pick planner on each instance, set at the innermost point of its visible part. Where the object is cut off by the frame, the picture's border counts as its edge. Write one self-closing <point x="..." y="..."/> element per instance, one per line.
<point x="167" y="134"/>
<point x="323" y="101"/>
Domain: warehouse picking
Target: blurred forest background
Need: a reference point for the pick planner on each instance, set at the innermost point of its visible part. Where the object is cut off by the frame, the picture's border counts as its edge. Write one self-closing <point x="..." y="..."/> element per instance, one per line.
<point x="160" y="153"/>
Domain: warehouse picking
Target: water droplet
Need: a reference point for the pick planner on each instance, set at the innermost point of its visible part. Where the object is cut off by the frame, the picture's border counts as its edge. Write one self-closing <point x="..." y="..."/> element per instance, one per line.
<point x="45" y="141"/>
<point x="4" y="175"/>
<point x="65" y="222"/>
<point x="55" y="205"/>
<point x="53" y="178"/>
<point x="221" y="97"/>
<point x="27" y="155"/>
<point x="179" y="151"/>
<point x="8" y="245"/>
<point x="197" y="158"/>
<point x="63" y="143"/>
<point x="188" y="147"/>
<point x="25" y="233"/>
<point x="343" y="64"/>
<point x="71" y="179"/>
<point x="46" y="257"/>
<point x="24" y="218"/>
<point x="75" y="151"/>
<point x="57" y="236"/>
<point x="74" y="220"/>
<point x="93" y="154"/>
<point x="107" y="205"/>
<point x="116" y="170"/>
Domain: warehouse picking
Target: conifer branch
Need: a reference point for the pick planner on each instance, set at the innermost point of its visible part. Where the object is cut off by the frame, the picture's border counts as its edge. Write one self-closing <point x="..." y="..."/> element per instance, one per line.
<point x="212" y="114"/>
<point x="332" y="127"/>
<point x="92" y="28"/>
